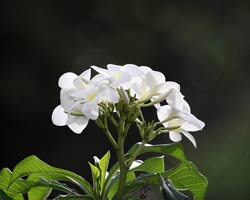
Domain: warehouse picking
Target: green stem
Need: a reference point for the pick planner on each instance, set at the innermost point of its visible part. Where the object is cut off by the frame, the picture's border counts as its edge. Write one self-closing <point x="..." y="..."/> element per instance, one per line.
<point x="108" y="134"/>
<point x="123" y="167"/>
<point x="136" y="153"/>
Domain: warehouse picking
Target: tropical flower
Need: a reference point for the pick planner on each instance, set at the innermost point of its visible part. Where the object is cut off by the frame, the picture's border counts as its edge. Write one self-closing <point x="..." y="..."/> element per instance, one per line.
<point x="152" y="86"/>
<point x="178" y="114"/>
<point x="119" y="75"/>
<point x="79" y="98"/>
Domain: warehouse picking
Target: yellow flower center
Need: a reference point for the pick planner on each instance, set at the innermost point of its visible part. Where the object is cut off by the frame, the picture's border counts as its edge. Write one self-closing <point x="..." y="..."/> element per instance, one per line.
<point x="118" y="76"/>
<point x="91" y="97"/>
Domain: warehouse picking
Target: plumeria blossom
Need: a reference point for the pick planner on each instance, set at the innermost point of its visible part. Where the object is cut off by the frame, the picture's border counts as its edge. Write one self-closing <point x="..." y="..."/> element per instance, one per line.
<point x="152" y="86"/>
<point x="81" y="96"/>
<point x="178" y="114"/>
<point x="69" y="83"/>
<point x="79" y="100"/>
<point x="119" y="75"/>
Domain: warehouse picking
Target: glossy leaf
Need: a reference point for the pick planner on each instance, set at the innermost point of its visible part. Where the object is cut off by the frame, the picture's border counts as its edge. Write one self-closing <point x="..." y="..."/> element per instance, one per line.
<point x="104" y="162"/>
<point x="152" y="165"/>
<point x="5" y="176"/>
<point x="184" y="177"/>
<point x="175" y="150"/>
<point x="169" y="192"/>
<point x="35" y="167"/>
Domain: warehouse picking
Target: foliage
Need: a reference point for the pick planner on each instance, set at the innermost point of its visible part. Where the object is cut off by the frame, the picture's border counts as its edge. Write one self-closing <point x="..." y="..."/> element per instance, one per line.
<point x="38" y="179"/>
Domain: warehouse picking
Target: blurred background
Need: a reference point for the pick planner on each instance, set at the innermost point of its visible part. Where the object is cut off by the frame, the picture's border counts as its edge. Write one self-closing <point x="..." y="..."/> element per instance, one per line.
<point x="203" y="46"/>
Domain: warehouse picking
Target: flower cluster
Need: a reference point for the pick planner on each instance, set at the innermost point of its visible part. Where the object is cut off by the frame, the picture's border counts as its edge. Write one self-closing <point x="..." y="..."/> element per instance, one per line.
<point x="81" y="98"/>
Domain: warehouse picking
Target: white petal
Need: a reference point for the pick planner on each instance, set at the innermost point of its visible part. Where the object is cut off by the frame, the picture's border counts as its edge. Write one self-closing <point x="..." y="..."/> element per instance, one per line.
<point x="66" y="100"/>
<point x="175" y="136"/>
<point x="108" y="94"/>
<point x="79" y="83"/>
<point x="79" y="125"/>
<point x="168" y="86"/>
<point x="90" y="110"/>
<point x="114" y="68"/>
<point x="172" y="84"/>
<point x="125" y="78"/>
<point x="164" y="112"/>
<point x="136" y="90"/>
<point x="145" y="69"/>
<point x="59" y="117"/>
<point x="86" y="74"/>
<point x="190" y="118"/>
<point x="186" y="106"/>
<point x="154" y="78"/>
<point x="189" y="127"/>
<point x="175" y="99"/>
<point x="190" y="137"/>
<point x="157" y="105"/>
<point x="66" y="80"/>
<point x="133" y="70"/>
<point x="72" y="119"/>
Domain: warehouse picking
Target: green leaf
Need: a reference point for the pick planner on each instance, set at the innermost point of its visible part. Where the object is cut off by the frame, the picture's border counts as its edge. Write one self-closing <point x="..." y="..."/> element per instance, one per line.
<point x="113" y="186"/>
<point x="104" y="162"/>
<point x="33" y="166"/>
<point x="187" y="176"/>
<point x="184" y="177"/>
<point x="4" y="196"/>
<point x="40" y="193"/>
<point x="175" y="150"/>
<point x="169" y="192"/>
<point x="5" y="176"/>
<point x="152" y="165"/>
<point x="95" y="177"/>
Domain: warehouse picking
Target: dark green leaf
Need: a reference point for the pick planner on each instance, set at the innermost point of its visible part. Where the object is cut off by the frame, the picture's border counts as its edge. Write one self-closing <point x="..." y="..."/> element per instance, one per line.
<point x="37" y="168"/>
<point x="113" y="187"/>
<point x="152" y="165"/>
<point x="186" y="176"/>
<point x="175" y="150"/>
<point x="169" y="192"/>
<point x="4" y="196"/>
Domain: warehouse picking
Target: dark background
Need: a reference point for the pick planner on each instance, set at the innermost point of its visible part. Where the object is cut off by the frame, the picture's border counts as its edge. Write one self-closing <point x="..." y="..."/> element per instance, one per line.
<point x="203" y="46"/>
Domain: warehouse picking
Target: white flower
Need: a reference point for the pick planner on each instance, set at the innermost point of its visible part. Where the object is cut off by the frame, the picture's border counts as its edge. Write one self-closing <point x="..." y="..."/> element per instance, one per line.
<point x="69" y="83"/>
<point x="79" y="98"/>
<point x="152" y="86"/>
<point x="76" y="123"/>
<point x="184" y="120"/>
<point x="91" y="96"/>
<point x="119" y="75"/>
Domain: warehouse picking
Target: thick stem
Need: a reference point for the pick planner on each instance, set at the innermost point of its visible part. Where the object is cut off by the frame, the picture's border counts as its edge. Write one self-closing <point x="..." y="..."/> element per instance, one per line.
<point x="123" y="167"/>
<point x="136" y="153"/>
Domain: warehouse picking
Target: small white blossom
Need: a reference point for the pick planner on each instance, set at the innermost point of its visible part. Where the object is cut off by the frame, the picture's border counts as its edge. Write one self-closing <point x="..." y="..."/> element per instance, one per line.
<point x="184" y="120"/>
<point x="91" y="96"/>
<point x="152" y="86"/>
<point x="119" y="75"/>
